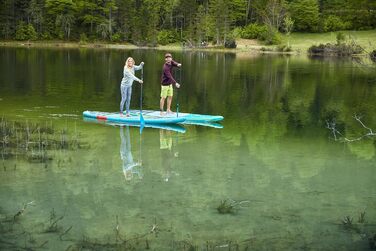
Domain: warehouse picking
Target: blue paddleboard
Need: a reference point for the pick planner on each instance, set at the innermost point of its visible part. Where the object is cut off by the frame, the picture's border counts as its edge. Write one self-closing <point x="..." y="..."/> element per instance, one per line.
<point x="150" y="117"/>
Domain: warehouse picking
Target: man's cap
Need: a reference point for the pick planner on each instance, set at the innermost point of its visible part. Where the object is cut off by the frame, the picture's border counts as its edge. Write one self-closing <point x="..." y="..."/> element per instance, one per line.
<point x="168" y="55"/>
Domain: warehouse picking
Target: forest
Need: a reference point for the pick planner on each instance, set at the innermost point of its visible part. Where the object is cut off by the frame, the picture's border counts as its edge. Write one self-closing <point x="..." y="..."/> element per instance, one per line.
<point x="195" y="22"/>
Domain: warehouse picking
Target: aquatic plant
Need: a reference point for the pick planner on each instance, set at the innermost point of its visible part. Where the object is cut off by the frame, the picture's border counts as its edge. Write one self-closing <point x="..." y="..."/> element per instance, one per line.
<point x="229" y="206"/>
<point x="34" y="141"/>
<point x="347" y="221"/>
<point x="372" y="242"/>
<point x="226" y="207"/>
<point x="362" y="217"/>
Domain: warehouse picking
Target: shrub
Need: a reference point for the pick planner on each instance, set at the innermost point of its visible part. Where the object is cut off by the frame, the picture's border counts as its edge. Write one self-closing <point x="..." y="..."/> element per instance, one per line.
<point x="230" y="43"/>
<point x="284" y="48"/>
<point x="166" y="37"/>
<point x="253" y="31"/>
<point x="343" y="49"/>
<point x="341" y="37"/>
<point x="271" y="36"/>
<point x="83" y="38"/>
<point x="116" y="37"/>
<point x="25" y="32"/>
<point x="333" y="23"/>
<point x="46" y="36"/>
<point x="237" y="32"/>
<point x="373" y="55"/>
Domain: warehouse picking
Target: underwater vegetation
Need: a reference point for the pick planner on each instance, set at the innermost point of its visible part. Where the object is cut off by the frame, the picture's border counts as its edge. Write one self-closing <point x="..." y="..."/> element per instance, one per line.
<point x="229" y="206"/>
<point x="34" y="142"/>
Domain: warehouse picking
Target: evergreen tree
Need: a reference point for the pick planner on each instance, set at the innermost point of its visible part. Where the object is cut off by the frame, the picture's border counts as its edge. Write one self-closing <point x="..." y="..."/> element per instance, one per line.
<point x="305" y="14"/>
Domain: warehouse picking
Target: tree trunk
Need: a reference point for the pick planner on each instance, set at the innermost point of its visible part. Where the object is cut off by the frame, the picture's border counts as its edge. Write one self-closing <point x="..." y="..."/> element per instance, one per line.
<point x="109" y="23"/>
<point x="247" y="11"/>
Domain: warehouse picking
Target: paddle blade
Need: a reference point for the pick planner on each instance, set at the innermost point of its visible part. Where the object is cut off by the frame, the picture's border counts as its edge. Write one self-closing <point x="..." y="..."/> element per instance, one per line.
<point x="142" y="123"/>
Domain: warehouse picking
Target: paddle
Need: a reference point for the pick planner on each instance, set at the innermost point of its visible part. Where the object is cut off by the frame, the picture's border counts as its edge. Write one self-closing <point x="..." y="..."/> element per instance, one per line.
<point x="177" y="95"/>
<point x="142" y="121"/>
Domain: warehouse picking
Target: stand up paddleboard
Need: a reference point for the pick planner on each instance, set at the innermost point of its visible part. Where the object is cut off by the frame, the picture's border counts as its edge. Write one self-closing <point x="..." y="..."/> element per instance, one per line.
<point x="149" y="117"/>
<point x="154" y="117"/>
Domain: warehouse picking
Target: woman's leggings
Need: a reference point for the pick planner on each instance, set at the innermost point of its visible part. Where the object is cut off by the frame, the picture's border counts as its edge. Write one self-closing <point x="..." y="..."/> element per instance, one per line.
<point x="126" y="94"/>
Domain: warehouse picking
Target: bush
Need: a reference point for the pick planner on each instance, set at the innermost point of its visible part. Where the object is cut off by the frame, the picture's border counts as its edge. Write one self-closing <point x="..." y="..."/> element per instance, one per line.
<point x="46" y="36"/>
<point x="167" y="37"/>
<point x="333" y="23"/>
<point x="284" y="48"/>
<point x="253" y="31"/>
<point x="25" y="32"/>
<point x="341" y="37"/>
<point x="230" y="43"/>
<point x="373" y="55"/>
<point x="344" y="49"/>
<point x="116" y="37"/>
<point x="271" y="36"/>
<point x="83" y="38"/>
<point x="237" y="32"/>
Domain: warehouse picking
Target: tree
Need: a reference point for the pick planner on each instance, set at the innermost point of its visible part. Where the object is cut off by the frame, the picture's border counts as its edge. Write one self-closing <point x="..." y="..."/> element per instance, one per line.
<point x="305" y="14"/>
<point x="7" y="26"/>
<point x="25" y="32"/>
<point x="273" y="13"/>
<point x="35" y="14"/>
<point x="288" y="25"/>
<point x="64" y="11"/>
<point x="221" y="21"/>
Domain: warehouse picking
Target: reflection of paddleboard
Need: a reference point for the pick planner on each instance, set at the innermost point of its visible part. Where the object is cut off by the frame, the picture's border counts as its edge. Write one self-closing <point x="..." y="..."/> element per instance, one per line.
<point x="150" y="117"/>
<point x="169" y="127"/>
<point x="208" y="124"/>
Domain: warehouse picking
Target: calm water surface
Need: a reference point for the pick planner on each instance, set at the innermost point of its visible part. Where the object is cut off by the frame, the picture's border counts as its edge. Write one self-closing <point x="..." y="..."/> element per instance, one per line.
<point x="290" y="182"/>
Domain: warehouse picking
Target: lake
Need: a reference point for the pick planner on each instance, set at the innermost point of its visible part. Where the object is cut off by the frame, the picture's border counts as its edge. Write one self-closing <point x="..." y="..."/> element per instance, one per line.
<point x="291" y="169"/>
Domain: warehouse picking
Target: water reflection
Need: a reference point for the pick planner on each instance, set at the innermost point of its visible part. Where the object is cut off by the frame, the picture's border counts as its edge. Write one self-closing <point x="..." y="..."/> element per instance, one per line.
<point x="131" y="168"/>
<point x="168" y="153"/>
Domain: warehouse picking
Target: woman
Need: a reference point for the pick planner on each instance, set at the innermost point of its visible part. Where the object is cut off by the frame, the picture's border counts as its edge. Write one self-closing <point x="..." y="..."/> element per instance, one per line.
<point x="126" y="83"/>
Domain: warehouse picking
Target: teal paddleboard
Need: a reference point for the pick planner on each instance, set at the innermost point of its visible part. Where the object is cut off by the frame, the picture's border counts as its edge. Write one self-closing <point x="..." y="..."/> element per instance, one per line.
<point x="150" y="117"/>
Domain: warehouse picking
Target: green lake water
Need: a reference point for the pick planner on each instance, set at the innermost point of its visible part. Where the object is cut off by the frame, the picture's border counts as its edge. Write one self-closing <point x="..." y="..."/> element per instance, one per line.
<point x="290" y="182"/>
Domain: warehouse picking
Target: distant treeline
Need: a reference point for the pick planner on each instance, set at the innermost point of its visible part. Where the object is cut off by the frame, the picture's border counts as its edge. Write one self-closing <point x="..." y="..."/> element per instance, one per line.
<point x="151" y="22"/>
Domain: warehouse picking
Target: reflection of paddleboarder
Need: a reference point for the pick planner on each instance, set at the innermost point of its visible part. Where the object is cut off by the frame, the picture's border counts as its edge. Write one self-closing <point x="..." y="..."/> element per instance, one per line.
<point x="129" y="166"/>
<point x="168" y="154"/>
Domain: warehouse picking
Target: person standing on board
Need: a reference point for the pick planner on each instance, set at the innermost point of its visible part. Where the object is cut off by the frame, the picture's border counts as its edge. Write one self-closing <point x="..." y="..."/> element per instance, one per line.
<point x="126" y="83"/>
<point x="167" y="82"/>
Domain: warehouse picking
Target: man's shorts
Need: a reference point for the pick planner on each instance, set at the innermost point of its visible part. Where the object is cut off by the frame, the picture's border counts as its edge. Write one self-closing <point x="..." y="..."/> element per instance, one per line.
<point x="167" y="91"/>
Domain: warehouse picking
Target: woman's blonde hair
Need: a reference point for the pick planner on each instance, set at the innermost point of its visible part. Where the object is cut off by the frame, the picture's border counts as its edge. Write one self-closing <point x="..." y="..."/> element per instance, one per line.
<point x="126" y="61"/>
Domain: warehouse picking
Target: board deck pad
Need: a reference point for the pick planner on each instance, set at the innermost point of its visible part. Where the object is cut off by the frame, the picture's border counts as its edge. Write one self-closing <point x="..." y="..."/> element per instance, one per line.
<point x="153" y="117"/>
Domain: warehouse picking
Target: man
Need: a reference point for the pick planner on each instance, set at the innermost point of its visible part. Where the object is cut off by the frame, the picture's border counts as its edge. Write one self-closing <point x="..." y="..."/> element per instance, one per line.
<point x="167" y="80"/>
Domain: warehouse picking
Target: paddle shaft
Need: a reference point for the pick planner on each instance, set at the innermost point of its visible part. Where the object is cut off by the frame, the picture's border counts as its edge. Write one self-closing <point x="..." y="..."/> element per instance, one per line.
<point x="142" y="78"/>
<point x="177" y="95"/>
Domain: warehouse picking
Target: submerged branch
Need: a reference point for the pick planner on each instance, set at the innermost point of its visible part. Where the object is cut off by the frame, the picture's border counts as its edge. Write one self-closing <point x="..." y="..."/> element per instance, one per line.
<point x="332" y="127"/>
<point x="21" y="211"/>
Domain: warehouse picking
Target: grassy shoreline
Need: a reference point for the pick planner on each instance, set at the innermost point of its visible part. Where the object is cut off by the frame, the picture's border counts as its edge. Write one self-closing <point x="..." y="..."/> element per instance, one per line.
<point x="300" y="42"/>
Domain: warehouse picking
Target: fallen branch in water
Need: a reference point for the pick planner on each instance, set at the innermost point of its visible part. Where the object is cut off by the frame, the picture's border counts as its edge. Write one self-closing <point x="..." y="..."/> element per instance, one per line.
<point x="332" y="127"/>
<point x="65" y="232"/>
<point x="19" y="213"/>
